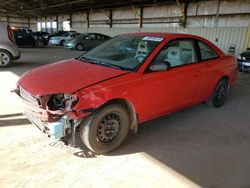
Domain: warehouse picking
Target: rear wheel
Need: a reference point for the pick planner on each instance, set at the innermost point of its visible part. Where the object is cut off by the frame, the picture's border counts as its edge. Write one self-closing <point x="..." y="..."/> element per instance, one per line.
<point x="219" y="94"/>
<point x="80" y="47"/>
<point x="62" y="42"/>
<point x="106" y="129"/>
<point x="5" y="58"/>
<point x="39" y="44"/>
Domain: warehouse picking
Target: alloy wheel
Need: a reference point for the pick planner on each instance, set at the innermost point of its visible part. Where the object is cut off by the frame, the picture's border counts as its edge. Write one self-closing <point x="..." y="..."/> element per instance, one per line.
<point x="4" y="59"/>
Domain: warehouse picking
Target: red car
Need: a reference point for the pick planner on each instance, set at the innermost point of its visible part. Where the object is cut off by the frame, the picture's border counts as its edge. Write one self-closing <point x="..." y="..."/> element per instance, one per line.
<point x="127" y="80"/>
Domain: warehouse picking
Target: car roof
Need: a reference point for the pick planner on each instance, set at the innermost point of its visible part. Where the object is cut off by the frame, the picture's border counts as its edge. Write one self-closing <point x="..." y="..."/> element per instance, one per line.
<point x="176" y="36"/>
<point x="161" y="34"/>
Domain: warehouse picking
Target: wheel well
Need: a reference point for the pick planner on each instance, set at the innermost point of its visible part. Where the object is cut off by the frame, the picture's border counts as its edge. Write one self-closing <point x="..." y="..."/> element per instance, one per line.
<point x="224" y="77"/>
<point x="7" y="52"/>
<point x="131" y="111"/>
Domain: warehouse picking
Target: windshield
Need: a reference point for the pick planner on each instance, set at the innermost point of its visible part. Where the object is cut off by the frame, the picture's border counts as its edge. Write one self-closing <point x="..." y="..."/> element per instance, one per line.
<point x="123" y="52"/>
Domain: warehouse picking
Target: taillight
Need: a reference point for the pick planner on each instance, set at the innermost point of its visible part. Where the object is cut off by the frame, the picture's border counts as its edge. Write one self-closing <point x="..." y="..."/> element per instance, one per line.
<point x="10" y="34"/>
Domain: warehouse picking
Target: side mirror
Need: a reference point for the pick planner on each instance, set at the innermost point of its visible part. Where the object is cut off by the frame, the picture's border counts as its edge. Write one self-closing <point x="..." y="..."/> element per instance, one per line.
<point x="159" y="67"/>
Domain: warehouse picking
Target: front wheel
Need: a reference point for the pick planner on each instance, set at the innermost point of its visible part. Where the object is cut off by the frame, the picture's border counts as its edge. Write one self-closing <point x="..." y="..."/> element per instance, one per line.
<point x="219" y="94"/>
<point x="106" y="129"/>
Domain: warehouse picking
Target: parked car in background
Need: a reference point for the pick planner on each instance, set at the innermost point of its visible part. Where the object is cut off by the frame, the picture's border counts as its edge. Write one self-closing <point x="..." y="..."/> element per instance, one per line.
<point x="26" y="29"/>
<point x="59" y="40"/>
<point x="8" y="49"/>
<point x="86" y="41"/>
<point x="42" y="34"/>
<point x="127" y="80"/>
<point x="244" y="61"/>
<point x="24" y="38"/>
<point x="58" y="33"/>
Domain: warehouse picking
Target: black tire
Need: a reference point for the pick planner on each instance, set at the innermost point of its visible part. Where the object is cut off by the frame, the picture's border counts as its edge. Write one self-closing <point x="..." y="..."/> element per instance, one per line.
<point x="39" y="44"/>
<point x="62" y="42"/>
<point x="80" y="47"/>
<point x="5" y="58"/>
<point x="106" y="129"/>
<point x="219" y="94"/>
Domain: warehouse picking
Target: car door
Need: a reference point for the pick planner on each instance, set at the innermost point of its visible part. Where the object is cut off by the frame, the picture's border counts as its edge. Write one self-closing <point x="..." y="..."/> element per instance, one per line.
<point x="90" y="41"/>
<point x="175" y="88"/>
<point x="100" y="39"/>
<point x="211" y="67"/>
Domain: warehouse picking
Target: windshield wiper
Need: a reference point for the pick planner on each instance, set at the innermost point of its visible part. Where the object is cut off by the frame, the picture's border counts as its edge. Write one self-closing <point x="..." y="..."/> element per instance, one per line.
<point x="111" y="65"/>
<point x="98" y="62"/>
<point x="81" y="58"/>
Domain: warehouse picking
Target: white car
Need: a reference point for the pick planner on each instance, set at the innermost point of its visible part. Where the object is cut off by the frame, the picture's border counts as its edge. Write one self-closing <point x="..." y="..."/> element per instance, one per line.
<point x="8" y="49"/>
<point x="59" y="40"/>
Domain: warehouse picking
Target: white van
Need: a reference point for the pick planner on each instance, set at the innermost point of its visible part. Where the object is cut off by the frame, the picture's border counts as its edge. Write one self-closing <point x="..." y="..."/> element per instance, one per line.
<point x="8" y="49"/>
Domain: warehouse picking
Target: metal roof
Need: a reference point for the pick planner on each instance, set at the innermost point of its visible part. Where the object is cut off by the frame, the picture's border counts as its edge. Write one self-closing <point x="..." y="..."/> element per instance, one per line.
<point x="36" y="8"/>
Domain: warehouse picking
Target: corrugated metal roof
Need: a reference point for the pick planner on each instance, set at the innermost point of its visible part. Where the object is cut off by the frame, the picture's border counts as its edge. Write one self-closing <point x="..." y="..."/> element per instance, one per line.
<point x="29" y="8"/>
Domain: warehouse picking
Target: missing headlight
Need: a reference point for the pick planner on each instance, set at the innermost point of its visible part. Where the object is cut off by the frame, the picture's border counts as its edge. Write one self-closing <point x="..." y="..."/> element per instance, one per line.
<point x="61" y="101"/>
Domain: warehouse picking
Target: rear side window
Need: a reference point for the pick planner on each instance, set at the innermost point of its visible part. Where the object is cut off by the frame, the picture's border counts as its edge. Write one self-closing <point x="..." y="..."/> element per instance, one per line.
<point x="100" y="37"/>
<point x="206" y="52"/>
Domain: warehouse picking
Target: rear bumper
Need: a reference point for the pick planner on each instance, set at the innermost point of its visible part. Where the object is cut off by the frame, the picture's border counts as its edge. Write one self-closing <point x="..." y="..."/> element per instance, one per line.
<point x="69" y="45"/>
<point x="17" y="56"/>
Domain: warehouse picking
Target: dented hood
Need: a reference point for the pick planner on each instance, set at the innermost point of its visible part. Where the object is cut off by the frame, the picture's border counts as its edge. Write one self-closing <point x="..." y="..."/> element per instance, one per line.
<point x="65" y="77"/>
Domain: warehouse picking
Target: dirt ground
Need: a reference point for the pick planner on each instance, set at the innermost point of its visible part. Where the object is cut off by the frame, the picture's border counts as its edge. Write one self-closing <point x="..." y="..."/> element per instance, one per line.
<point x="196" y="147"/>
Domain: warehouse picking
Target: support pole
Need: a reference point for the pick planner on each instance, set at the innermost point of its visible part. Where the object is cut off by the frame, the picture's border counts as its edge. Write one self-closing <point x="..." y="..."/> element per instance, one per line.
<point x="247" y="39"/>
<point x="110" y="19"/>
<point x="57" y="23"/>
<point x="87" y="19"/>
<point x="70" y="20"/>
<point x="141" y="17"/>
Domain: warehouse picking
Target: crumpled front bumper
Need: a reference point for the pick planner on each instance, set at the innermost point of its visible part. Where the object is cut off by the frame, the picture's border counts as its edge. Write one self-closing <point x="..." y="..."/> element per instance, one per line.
<point x="54" y="125"/>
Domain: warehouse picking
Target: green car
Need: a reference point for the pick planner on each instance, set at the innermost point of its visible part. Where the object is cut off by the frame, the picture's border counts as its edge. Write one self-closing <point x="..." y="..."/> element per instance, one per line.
<point x="86" y="41"/>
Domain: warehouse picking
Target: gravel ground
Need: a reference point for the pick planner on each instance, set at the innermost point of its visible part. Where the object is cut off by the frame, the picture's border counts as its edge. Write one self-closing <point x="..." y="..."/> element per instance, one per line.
<point x="196" y="147"/>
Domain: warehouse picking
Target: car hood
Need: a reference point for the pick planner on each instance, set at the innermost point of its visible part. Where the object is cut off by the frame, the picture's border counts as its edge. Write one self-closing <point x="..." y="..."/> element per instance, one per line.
<point x="65" y="77"/>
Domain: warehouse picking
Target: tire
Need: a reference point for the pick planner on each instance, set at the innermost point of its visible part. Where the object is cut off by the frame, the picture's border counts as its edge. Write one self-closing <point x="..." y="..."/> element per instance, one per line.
<point x="62" y="42"/>
<point x="5" y="58"/>
<point x="219" y="94"/>
<point x="80" y="47"/>
<point x="39" y="44"/>
<point x="106" y="129"/>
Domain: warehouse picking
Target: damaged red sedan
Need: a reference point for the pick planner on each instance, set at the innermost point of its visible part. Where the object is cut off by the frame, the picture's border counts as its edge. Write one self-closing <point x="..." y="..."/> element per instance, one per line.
<point x="127" y="80"/>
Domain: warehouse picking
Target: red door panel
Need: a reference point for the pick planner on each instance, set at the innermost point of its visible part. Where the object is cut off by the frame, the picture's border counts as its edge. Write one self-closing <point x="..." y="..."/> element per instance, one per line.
<point x="163" y="92"/>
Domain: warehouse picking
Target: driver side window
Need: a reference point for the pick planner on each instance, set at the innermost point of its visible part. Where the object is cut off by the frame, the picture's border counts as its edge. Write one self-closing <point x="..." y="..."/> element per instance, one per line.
<point x="177" y="53"/>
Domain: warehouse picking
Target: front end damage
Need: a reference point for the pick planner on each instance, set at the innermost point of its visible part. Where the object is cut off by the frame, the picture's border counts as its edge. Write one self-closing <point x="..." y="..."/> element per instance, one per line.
<point x="53" y="114"/>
